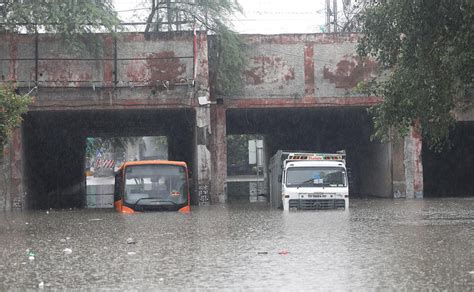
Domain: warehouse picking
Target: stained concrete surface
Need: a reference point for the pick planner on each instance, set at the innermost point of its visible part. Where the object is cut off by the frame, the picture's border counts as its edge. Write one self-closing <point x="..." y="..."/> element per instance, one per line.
<point x="399" y="244"/>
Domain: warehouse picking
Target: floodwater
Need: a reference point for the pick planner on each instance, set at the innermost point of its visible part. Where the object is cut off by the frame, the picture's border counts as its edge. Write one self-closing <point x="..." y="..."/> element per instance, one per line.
<point x="395" y="244"/>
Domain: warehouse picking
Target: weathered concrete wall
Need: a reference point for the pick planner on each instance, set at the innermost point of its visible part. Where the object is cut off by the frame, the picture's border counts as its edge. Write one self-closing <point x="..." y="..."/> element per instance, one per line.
<point x="298" y="66"/>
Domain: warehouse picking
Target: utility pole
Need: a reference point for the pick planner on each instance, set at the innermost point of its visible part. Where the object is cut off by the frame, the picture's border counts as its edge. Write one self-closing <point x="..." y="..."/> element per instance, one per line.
<point x="328" y="16"/>
<point x="3" y="13"/>
<point x="331" y="16"/>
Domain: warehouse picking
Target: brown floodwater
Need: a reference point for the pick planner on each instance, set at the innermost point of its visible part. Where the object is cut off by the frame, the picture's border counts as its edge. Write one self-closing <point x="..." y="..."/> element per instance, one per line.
<point x="387" y="244"/>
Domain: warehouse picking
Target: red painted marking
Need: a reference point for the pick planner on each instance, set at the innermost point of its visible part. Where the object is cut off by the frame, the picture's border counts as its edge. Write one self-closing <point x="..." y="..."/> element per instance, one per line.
<point x="108" y="64"/>
<point x="418" y="175"/>
<point x="270" y="70"/>
<point x="349" y="72"/>
<point x="13" y="55"/>
<point x="309" y="83"/>
<point x="161" y="66"/>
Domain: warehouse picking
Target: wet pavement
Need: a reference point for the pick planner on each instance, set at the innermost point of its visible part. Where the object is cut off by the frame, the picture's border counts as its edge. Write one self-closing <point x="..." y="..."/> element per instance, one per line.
<point x="400" y="244"/>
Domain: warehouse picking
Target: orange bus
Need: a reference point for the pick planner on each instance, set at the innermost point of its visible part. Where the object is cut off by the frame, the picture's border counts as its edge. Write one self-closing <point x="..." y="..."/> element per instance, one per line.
<point x="159" y="185"/>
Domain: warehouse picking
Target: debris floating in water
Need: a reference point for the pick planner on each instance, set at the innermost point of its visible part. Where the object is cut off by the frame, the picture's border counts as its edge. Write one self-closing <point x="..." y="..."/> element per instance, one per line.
<point x="67" y="251"/>
<point x="31" y="255"/>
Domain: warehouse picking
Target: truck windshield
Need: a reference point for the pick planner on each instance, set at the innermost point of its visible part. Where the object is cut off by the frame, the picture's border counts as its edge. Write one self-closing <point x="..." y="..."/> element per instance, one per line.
<point x="316" y="177"/>
<point x="155" y="184"/>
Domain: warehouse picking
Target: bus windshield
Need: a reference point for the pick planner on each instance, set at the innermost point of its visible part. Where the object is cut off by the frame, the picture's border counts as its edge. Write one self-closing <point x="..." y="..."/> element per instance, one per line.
<point x="316" y="177"/>
<point x="155" y="185"/>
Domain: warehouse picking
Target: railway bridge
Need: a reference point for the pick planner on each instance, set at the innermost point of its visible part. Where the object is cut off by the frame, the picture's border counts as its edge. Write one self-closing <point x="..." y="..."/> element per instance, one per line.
<point x="299" y="93"/>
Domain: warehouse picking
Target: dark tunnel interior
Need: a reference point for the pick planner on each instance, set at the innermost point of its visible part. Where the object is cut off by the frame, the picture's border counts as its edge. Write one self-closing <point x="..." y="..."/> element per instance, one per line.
<point x="321" y="130"/>
<point x="54" y="147"/>
<point x="451" y="172"/>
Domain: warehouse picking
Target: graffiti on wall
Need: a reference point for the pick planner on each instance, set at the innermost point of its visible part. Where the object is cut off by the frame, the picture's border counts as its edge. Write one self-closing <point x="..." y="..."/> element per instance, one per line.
<point x="203" y="194"/>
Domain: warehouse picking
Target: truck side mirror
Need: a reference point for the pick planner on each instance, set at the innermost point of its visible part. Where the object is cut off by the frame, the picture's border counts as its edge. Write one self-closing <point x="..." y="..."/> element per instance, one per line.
<point x="279" y="178"/>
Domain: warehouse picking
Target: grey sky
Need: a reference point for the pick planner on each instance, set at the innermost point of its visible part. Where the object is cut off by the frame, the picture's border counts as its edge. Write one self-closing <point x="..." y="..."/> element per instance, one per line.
<point x="260" y="16"/>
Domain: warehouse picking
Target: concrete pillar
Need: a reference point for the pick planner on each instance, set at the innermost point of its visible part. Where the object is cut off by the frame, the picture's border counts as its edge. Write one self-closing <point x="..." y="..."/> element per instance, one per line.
<point x="202" y="165"/>
<point x="413" y="163"/>
<point x="398" y="167"/>
<point x="16" y="162"/>
<point x="218" y="155"/>
<point x="11" y="177"/>
<point x="5" y="178"/>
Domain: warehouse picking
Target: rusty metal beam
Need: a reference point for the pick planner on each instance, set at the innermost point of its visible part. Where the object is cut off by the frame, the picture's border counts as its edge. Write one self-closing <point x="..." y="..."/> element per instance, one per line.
<point x="303" y="102"/>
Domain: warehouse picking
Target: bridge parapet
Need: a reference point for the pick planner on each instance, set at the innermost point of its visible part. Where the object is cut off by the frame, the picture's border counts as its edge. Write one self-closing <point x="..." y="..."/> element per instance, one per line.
<point x="167" y="70"/>
<point x="126" y="70"/>
<point x="303" y="70"/>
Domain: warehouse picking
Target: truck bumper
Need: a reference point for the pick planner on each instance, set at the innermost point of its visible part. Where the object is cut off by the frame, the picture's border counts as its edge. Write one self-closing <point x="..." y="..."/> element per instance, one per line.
<point x="315" y="204"/>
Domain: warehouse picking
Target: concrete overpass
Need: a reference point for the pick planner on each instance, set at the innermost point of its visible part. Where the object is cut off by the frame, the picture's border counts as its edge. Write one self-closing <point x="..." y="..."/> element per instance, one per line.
<point x="299" y="93"/>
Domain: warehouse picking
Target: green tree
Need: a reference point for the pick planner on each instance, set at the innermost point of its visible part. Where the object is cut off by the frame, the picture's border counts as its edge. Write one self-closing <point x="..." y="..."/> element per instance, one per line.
<point x="70" y="17"/>
<point x="212" y="16"/>
<point x="427" y="48"/>
<point x="12" y="106"/>
<point x="74" y="20"/>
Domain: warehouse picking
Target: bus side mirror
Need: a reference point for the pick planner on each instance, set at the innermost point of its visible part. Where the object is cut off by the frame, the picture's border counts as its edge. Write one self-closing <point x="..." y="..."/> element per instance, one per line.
<point x="279" y="178"/>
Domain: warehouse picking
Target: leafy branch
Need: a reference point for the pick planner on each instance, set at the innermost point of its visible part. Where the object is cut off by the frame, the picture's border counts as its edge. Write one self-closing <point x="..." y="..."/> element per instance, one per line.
<point x="76" y="21"/>
<point x="212" y="16"/>
<point x="427" y="47"/>
<point x="12" y="106"/>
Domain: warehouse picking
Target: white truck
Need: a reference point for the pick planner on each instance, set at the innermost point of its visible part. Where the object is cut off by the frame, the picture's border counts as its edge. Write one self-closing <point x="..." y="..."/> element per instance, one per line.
<point x="308" y="181"/>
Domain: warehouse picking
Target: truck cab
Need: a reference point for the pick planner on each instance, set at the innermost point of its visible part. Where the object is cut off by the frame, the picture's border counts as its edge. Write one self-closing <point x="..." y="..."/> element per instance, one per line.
<point x="314" y="181"/>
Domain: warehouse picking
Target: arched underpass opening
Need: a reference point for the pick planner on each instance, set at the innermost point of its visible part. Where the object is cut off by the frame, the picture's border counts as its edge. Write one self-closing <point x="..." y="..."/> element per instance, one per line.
<point x="450" y="173"/>
<point x="54" y="145"/>
<point x="321" y="130"/>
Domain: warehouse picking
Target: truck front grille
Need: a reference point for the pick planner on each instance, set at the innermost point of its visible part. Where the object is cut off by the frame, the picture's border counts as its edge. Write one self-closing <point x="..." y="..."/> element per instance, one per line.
<point x="305" y="204"/>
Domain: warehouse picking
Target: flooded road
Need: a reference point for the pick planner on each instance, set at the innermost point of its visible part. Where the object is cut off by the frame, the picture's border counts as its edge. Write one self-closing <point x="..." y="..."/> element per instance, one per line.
<point x="401" y="244"/>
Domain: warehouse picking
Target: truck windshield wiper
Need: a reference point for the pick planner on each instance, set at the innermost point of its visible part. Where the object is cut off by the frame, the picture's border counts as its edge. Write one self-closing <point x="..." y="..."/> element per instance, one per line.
<point x="304" y="182"/>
